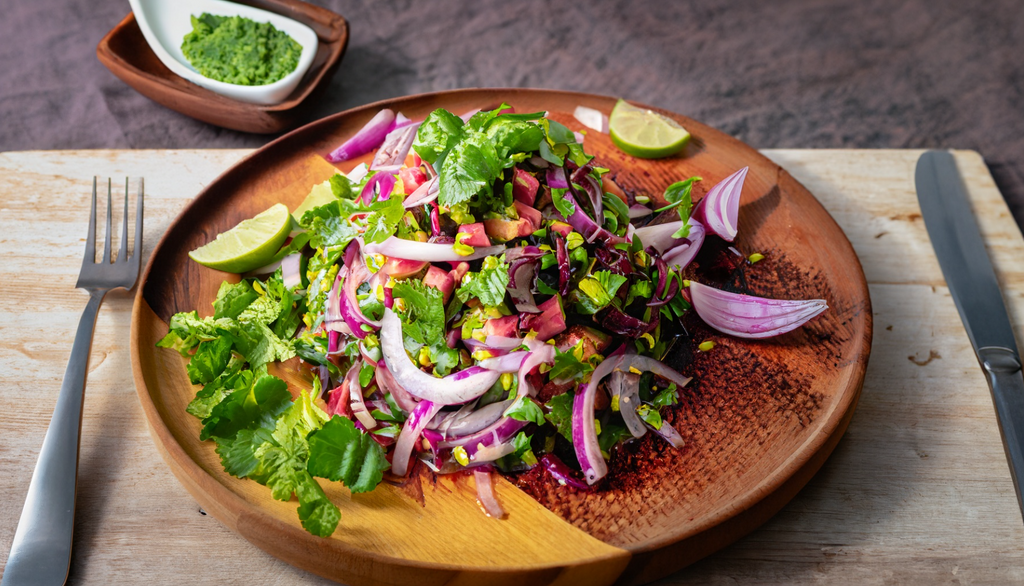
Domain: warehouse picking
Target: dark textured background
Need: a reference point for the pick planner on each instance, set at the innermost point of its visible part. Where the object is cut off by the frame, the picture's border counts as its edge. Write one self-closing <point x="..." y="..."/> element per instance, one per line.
<point x="799" y="74"/>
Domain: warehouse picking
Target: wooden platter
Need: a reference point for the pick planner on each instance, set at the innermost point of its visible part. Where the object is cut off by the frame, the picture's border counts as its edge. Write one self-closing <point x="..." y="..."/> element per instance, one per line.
<point x="125" y="52"/>
<point x="756" y="432"/>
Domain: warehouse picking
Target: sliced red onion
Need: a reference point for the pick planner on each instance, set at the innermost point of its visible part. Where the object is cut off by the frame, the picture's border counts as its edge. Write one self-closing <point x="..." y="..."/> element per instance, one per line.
<point x="356" y="175"/>
<point x="746" y="316"/>
<point x="522" y="273"/>
<point x="586" y="226"/>
<point x="490" y="453"/>
<point x="556" y="178"/>
<point x="591" y="118"/>
<point x="368" y="138"/>
<point x="659" y="236"/>
<point x="507" y="363"/>
<point x="720" y="208"/>
<point x="639" y="210"/>
<point x="595" y="194"/>
<point x="626" y="386"/>
<point x="424" y="194"/>
<point x="332" y="314"/>
<point x="538" y="162"/>
<point x="503" y="342"/>
<point x="584" y="434"/>
<point x="562" y="473"/>
<point x="396" y="146"/>
<point x="428" y="251"/>
<point x="387" y="384"/>
<point x="359" y="409"/>
<point x="681" y="256"/>
<point x="468" y="420"/>
<point x="485" y="492"/>
<point x="381" y="185"/>
<point x="264" y="270"/>
<point x="648" y="364"/>
<point x="496" y="433"/>
<point x="579" y="136"/>
<point x="453" y="389"/>
<point x="348" y="302"/>
<point x="370" y="355"/>
<point x="541" y="354"/>
<point x="290" y="270"/>
<point x="410" y="434"/>
<point x="669" y="434"/>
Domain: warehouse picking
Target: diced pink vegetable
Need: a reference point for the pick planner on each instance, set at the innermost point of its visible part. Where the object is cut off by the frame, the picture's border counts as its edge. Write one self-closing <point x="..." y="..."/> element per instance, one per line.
<point x="441" y="280"/>
<point x="502" y="326"/>
<point x="562" y="228"/>
<point x="477" y="235"/>
<point x="412" y="178"/>
<point x="529" y="214"/>
<point x="504" y="229"/>
<point x="401" y="268"/>
<point x="459" y="271"/>
<point x="524" y="187"/>
<point x="549" y="322"/>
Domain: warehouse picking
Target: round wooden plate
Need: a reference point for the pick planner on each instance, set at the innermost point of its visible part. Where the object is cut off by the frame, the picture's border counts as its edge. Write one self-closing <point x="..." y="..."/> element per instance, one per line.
<point x="759" y="419"/>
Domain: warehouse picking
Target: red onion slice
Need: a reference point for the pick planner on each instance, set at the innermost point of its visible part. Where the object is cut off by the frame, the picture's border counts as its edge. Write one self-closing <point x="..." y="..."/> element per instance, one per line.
<point x="498" y="432"/>
<point x="669" y="434"/>
<point x="485" y="492"/>
<point x="540" y="354"/>
<point x="454" y="389"/>
<point x="411" y="431"/>
<point x="424" y="194"/>
<point x="584" y="434"/>
<point x="562" y="473"/>
<point x="591" y="118"/>
<point x="746" y="316"/>
<point x="368" y="138"/>
<point x="290" y="270"/>
<point x="681" y="256"/>
<point x="507" y="363"/>
<point x="720" y="208"/>
<point x="626" y="386"/>
<point x="467" y="420"/>
<point x="428" y="251"/>
<point x="638" y="210"/>
<point x="359" y="409"/>
<point x="659" y="236"/>
<point x="503" y="342"/>
<point x="381" y="185"/>
<point x="387" y="384"/>
<point x="395" y="147"/>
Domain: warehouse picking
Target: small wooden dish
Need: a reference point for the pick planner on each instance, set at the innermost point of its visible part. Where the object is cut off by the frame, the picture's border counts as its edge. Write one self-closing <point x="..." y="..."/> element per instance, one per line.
<point x="125" y="52"/>
<point x="753" y="440"/>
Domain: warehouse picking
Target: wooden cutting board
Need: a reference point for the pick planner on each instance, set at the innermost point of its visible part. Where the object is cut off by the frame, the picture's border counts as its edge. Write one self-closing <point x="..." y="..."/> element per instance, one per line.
<point x="917" y="490"/>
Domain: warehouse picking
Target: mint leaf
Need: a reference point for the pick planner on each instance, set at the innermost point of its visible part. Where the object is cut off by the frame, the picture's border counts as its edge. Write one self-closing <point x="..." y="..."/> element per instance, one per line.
<point x="560" y="413"/>
<point x="340" y="452"/>
<point x="526" y="409"/>
<point x="384" y="220"/>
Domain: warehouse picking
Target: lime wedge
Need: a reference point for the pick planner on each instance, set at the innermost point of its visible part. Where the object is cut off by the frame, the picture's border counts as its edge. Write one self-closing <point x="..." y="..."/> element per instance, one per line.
<point x="249" y="245"/>
<point x="645" y="134"/>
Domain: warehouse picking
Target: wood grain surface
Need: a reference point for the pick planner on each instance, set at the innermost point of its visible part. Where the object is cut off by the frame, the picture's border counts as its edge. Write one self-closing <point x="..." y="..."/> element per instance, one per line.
<point x="917" y="490"/>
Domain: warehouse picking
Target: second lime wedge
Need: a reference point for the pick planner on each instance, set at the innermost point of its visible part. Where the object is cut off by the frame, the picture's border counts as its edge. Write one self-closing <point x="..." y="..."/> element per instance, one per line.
<point x="249" y="245"/>
<point x="645" y="134"/>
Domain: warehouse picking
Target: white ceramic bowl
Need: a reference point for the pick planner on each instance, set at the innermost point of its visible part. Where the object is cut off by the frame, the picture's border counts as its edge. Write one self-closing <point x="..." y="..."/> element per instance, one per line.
<point x="165" y="23"/>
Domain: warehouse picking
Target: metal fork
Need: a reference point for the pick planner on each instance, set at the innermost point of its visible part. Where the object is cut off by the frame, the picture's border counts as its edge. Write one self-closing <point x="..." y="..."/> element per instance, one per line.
<point x="41" y="552"/>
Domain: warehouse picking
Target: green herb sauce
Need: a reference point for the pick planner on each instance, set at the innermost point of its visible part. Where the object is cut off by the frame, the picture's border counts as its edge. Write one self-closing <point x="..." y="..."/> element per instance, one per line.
<point x="239" y="50"/>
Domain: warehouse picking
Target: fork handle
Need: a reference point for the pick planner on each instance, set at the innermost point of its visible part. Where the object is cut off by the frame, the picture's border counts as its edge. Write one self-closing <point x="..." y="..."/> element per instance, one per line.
<point x="41" y="552"/>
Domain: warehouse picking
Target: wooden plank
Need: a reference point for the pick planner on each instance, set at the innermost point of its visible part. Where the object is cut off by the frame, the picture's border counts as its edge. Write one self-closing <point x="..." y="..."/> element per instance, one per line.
<point x="918" y="490"/>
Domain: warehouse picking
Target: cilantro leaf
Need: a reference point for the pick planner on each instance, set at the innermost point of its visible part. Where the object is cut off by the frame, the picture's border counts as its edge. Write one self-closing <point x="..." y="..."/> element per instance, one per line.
<point x="526" y="409"/>
<point x="678" y="195"/>
<point x="317" y="513"/>
<point x="569" y="366"/>
<point x="489" y="285"/>
<point x="238" y="454"/>
<point x="563" y="204"/>
<point x="423" y="317"/>
<point x="560" y="413"/>
<point x="329" y="225"/>
<point x="470" y="168"/>
<point x="340" y="452"/>
<point x="384" y="220"/>
<point x="514" y="136"/>
<point x="232" y="379"/>
<point x="669" y="396"/>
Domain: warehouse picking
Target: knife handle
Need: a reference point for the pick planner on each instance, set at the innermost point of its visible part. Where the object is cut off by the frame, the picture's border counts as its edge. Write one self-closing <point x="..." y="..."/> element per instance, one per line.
<point x="1006" y="381"/>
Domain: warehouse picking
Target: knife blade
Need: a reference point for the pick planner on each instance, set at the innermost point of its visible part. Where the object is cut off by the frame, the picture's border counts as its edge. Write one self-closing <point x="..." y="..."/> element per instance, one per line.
<point x="972" y="283"/>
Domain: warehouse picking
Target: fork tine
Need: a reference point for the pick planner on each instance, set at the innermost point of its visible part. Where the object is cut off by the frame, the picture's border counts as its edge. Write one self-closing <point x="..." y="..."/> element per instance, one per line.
<point x="122" y="253"/>
<point x="106" y="241"/>
<point x="137" y="246"/>
<point x="90" y="240"/>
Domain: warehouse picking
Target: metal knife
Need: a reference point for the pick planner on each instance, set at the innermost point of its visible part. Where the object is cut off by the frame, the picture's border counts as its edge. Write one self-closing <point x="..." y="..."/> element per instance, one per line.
<point x="972" y="282"/>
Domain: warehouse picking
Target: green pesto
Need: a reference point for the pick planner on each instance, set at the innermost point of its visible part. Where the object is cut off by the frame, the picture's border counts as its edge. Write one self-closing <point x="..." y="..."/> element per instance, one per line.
<point x="239" y="50"/>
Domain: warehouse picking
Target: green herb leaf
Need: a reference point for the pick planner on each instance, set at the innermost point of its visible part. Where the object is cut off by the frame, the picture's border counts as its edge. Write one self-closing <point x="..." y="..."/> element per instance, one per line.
<point x="679" y="197"/>
<point x="598" y="290"/>
<point x="470" y="168"/>
<point x="489" y="285"/>
<point x="524" y="449"/>
<point x="560" y="413"/>
<point x="650" y="415"/>
<point x="526" y="409"/>
<point x="563" y="204"/>
<point x="248" y="408"/>
<point x="611" y="434"/>
<point x="384" y="220"/>
<point x="569" y="365"/>
<point x="232" y="299"/>
<point x="209" y="361"/>
<point x="340" y="452"/>
<point x="437" y="135"/>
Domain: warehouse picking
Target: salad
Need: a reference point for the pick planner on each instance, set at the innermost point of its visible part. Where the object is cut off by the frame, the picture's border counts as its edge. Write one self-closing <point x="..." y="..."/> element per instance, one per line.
<point x="480" y="298"/>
